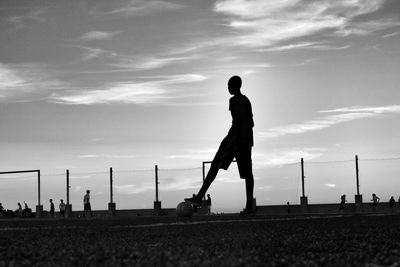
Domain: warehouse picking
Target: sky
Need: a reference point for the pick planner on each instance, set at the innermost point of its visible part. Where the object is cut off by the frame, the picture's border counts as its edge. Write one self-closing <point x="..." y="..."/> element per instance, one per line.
<point x="89" y="85"/>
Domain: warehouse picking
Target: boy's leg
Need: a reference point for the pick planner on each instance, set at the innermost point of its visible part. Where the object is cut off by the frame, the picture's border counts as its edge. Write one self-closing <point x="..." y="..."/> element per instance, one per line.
<point x="222" y="159"/>
<point x="243" y="159"/>
<point x="249" y="193"/>
<point x="212" y="173"/>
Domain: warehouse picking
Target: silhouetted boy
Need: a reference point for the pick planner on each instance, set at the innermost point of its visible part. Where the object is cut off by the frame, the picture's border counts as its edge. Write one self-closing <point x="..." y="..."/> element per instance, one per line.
<point x="61" y="206"/>
<point x="237" y="144"/>
<point x="51" y="208"/>
<point x="342" y="202"/>
<point x="2" y="210"/>
<point x="86" y="204"/>
<point x="375" y="200"/>
<point x="208" y="204"/>
<point x="391" y="203"/>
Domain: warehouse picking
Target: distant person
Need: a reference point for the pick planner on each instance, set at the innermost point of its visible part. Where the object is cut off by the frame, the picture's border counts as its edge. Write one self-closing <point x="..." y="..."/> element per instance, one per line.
<point x="51" y="208"/>
<point x="19" y="210"/>
<point x="208" y="204"/>
<point x="2" y="210"/>
<point x="342" y="202"/>
<point x="62" y="208"/>
<point x="288" y="207"/>
<point x="392" y="202"/>
<point x="26" y="211"/>
<point x="237" y="144"/>
<point x="86" y="204"/>
<point x="375" y="200"/>
<point x="195" y="208"/>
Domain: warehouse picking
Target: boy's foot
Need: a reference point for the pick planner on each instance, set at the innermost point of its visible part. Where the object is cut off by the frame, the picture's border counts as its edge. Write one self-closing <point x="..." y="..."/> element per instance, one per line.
<point x="247" y="213"/>
<point x="194" y="201"/>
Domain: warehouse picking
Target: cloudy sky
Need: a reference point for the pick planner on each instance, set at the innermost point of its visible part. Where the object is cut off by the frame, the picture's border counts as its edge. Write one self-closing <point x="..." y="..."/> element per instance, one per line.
<point x="88" y="85"/>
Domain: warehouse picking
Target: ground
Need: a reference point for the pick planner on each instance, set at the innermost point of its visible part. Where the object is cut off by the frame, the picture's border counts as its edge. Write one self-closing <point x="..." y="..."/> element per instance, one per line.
<point x="351" y="240"/>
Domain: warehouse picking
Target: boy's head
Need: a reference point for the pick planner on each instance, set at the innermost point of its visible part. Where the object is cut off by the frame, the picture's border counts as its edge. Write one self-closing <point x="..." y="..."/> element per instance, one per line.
<point x="87" y="191"/>
<point x="234" y="85"/>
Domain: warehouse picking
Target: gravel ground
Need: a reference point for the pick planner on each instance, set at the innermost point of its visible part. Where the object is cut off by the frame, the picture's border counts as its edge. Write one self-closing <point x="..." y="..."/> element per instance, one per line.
<point x="202" y="241"/>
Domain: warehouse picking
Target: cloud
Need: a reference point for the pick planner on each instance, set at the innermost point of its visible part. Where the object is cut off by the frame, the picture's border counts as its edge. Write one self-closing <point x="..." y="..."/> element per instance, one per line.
<point x="330" y="185"/>
<point x="98" y="35"/>
<point x="89" y="156"/>
<point x="260" y="23"/>
<point x="304" y="45"/>
<point x="286" y="156"/>
<point x="21" y="22"/>
<point x="149" y="63"/>
<point x="139" y="8"/>
<point x="368" y="27"/>
<point x="393" y="34"/>
<point x="152" y="92"/>
<point x="346" y="114"/>
<point x="18" y="81"/>
<point x="167" y="184"/>
<point x="204" y="154"/>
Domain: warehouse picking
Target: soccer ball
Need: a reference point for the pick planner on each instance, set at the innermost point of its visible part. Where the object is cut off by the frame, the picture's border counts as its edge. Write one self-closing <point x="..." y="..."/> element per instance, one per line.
<point x="184" y="209"/>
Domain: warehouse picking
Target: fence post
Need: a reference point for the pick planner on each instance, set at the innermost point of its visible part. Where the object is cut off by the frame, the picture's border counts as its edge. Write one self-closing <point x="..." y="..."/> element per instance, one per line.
<point x="157" y="203"/>
<point x="111" y="205"/>
<point x="39" y="207"/>
<point x="303" y="198"/>
<point x="68" y="206"/>
<point x="358" y="197"/>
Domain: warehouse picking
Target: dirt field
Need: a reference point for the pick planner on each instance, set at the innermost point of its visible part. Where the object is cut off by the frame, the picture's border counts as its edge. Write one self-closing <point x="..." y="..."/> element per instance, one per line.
<point x="202" y="241"/>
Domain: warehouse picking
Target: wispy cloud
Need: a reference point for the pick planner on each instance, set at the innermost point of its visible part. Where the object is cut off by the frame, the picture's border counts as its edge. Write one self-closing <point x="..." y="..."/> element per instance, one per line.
<point x="109" y="156"/>
<point x="168" y="184"/>
<point x="304" y="45"/>
<point x="203" y="154"/>
<point x="265" y="23"/>
<point x="98" y="35"/>
<point x="345" y="115"/>
<point x="148" y="63"/>
<point x="23" y="21"/>
<point x="134" y="8"/>
<point x="281" y="157"/>
<point x="160" y="90"/>
<point x="18" y="81"/>
<point x="393" y="34"/>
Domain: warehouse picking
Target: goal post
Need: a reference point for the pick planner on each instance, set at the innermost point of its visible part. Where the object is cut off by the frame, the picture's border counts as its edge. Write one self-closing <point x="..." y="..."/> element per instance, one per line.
<point x="39" y="207"/>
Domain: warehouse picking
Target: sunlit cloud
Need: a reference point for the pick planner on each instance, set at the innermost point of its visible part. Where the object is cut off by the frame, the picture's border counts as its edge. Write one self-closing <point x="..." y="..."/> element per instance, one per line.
<point x="160" y="90"/>
<point x="266" y="23"/>
<point x="98" y="35"/>
<point x="182" y="183"/>
<point x="139" y="8"/>
<point x="203" y="154"/>
<point x="347" y="114"/>
<point x="18" y="81"/>
<point x="282" y="157"/>
<point x="393" y="34"/>
<point x="90" y="156"/>
<point x="368" y="27"/>
<point x="303" y="46"/>
<point x="377" y="110"/>
<point x="23" y="21"/>
<point x="149" y="63"/>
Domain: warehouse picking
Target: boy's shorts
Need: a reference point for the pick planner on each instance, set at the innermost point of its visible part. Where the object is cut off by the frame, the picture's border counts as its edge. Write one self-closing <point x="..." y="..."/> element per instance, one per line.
<point x="228" y="150"/>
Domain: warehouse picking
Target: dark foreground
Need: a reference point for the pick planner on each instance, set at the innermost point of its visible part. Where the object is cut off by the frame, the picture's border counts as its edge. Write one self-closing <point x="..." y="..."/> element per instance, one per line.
<point x="202" y="241"/>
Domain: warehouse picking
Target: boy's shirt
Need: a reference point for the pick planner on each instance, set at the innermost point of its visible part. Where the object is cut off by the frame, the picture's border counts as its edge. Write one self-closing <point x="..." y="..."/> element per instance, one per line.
<point x="86" y="199"/>
<point x="242" y="120"/>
